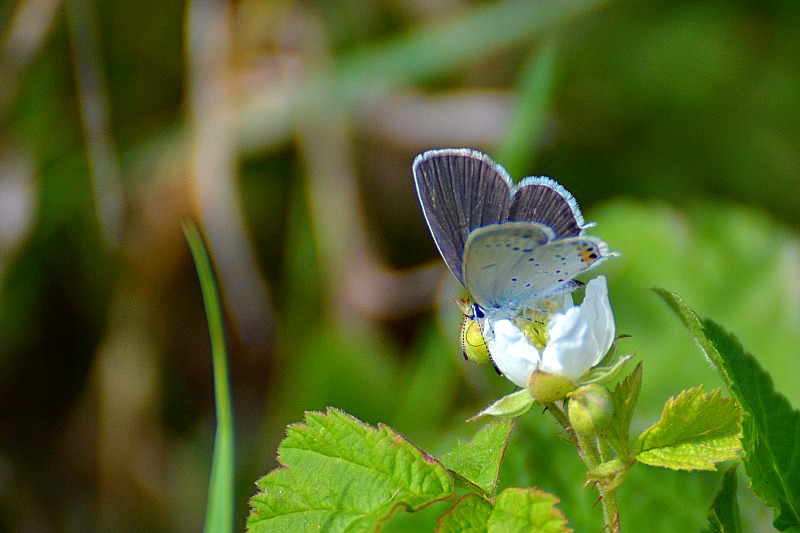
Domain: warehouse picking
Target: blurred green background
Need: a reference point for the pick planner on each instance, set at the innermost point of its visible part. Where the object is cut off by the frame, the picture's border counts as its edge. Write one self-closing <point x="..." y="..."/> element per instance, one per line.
<point x="287" y="129"/>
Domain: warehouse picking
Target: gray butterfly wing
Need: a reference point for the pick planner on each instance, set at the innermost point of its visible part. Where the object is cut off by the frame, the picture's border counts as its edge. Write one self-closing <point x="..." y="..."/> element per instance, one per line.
<point x="508" y="266"/>
<point x="493" y="252"/>
<point x="460" y="190"/>
<point x="543" y="200"/>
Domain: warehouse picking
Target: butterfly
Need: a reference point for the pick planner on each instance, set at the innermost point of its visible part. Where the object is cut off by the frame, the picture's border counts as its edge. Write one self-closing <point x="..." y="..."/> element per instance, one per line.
<point x="510" y="245"/>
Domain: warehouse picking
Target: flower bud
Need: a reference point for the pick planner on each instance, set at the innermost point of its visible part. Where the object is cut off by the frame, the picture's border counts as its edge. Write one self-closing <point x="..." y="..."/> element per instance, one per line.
<point x="590" y="409"/>
<point x="546" y="387"/>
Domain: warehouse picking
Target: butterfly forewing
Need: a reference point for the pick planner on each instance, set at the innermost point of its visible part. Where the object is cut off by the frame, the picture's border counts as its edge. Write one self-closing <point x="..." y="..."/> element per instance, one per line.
<point x="460" y="190"/>
<point x="543" y="200"/>
<point x="512" y="265"/>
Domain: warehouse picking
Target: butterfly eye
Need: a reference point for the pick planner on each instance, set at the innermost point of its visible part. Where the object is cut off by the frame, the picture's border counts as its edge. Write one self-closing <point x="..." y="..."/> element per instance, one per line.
<point x="477" y="312"/>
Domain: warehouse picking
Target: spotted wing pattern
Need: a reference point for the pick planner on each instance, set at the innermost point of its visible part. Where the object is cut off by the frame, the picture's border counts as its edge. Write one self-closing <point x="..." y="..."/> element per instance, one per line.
<point x="508" y="266"/>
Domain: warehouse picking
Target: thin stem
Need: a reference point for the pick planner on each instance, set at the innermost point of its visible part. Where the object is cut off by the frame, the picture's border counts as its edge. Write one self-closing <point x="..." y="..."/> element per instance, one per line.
<point x="610" y="508"/>
<point x="593" y="452"/>
<point x="563" y="421"/>
<point x="609" y="491"/>
<point x="604" y="449"/>
<point x="560" y="417"/>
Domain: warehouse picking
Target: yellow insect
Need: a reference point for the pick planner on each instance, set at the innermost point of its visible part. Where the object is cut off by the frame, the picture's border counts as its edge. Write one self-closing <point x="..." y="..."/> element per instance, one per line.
<point x="473" y="343"/>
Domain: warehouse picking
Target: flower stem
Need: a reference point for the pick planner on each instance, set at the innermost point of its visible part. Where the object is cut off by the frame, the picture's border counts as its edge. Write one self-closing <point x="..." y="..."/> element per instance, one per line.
<point x="610" y="508"/>
<point x="608" y="491"/>
<point x="562" y="420"/>
<point x="593" y="453"/>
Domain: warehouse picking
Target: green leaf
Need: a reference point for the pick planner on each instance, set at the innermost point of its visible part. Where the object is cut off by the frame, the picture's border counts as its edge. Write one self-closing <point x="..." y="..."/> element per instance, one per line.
<point x="771" y="429"/>
<point x="469" y="515"/>
<point x="723" y="516"/>
<point x="510" y="406"/>
<point x="696" y="431"/>
<point x="478" y="461"/>
<point x="526" y="510"/>
<point x="625" y="395"/>
<point x="695" y="326"/>
<point x="340" y="474"/>
<point x="219" y="506"/>
<point x="770" y="426"/>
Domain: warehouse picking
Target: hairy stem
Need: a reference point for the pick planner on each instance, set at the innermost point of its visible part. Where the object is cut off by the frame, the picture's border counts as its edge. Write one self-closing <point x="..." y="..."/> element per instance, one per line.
<point x="593" y="452"/>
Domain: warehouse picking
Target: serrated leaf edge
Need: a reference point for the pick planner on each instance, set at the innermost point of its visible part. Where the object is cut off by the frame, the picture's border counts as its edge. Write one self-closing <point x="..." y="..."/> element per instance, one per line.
<point x="471" y="441"/>
<point x="332" y="411"/>
<point x="642" y="453"/>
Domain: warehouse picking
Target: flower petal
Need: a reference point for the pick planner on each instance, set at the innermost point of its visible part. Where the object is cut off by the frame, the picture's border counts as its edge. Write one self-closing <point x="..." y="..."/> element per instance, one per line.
<point x="571" y="349"/>
<point x="579" y="338"/>
<point x="514" y="356"/>
<point x="598" y="312"/>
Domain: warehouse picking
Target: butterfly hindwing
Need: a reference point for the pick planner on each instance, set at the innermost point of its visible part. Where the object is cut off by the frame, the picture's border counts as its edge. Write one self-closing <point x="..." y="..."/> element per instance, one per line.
<point x="542" y="200"/>
<point x="511" y="265"/>
<point x="493" y="252"/>
<point x="460" y="190"/>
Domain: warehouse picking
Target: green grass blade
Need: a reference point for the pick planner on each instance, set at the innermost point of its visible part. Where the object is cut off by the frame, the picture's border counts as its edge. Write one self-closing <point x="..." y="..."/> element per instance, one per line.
<point x="518" y="151"/>
<point x="423" y="53"/>
<point x="448" y="46"/>
<point x="219" y="507"/>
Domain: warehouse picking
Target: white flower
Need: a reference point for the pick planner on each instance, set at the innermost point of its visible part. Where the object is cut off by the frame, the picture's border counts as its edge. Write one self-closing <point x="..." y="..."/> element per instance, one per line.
<point x="577" y="338"/>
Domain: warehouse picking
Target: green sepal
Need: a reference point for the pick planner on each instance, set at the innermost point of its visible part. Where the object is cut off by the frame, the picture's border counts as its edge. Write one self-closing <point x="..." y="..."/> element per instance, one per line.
<point x="605" y="374"/>
<point x="510" y="406"/>
<point x="545" y="387"/>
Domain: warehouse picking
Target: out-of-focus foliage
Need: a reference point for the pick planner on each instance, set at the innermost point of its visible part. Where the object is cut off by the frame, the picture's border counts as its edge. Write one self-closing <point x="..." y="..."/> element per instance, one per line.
<point x="287" y="129"/>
